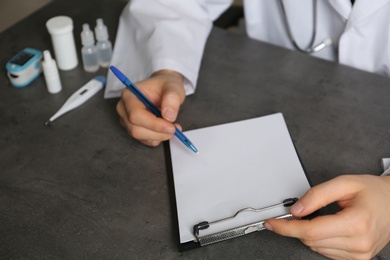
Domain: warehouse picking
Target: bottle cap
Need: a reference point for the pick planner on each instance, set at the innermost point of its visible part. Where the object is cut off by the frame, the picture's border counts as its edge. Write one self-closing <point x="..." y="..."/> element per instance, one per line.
<point x="87" y="36"/>
<point x="59" y="25"/>
<point x="50" y="72"/>
<point x="47" y="57"/>
<point x="101" y="30"/>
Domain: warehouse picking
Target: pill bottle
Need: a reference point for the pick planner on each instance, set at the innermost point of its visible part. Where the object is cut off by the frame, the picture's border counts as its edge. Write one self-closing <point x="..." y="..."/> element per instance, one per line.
<point x="61" y="32"/>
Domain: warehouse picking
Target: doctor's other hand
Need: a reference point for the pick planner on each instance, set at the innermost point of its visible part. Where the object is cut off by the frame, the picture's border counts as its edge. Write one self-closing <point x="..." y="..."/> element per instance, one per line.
<point x="165" y="89"/>
<point x="359" y="231"/>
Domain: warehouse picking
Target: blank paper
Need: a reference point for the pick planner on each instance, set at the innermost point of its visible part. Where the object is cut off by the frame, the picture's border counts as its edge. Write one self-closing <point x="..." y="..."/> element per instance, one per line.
<point x="250" y="163"/>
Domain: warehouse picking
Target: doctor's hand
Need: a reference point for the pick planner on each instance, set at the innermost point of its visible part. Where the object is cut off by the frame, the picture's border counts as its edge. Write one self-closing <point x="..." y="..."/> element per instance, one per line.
<point x="359" y="231"/>
<point x="165" y="89"/>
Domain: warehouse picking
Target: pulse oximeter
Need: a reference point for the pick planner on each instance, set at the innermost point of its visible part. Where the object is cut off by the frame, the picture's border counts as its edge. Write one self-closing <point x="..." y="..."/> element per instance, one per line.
<point x="24" y="67"/>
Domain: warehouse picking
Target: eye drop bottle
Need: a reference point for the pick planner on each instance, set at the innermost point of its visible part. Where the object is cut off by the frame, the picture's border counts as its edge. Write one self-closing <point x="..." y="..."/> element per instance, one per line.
<point x="89" y="52"/>
<point x="50" y="71"/>
<point x="103" y="45"/>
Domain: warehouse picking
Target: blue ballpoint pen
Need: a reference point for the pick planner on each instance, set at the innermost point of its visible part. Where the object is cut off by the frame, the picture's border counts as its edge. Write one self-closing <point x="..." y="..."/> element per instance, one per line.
<point x="150" y="105"/>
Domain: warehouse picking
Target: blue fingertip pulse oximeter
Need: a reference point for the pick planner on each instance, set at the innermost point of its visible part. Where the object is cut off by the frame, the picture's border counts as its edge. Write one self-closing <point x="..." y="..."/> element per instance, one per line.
<point x="24" y="67"/>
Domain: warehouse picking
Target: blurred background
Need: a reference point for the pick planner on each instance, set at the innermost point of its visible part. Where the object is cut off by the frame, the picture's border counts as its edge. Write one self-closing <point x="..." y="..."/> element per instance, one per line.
<point x="12" y="11"/>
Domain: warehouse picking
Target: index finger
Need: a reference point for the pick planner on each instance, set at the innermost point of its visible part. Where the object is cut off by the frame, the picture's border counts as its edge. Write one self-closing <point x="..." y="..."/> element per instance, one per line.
<point x="321" y="227"/>
<point x="340" y="188"/>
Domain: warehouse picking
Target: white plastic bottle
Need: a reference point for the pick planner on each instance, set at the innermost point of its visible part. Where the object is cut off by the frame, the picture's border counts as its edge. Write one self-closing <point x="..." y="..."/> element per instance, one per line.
<point x="103" y="45"/>
<point x="89" y="52"/>
<point x="51" y="74"/>
<point x="61" y="31"/>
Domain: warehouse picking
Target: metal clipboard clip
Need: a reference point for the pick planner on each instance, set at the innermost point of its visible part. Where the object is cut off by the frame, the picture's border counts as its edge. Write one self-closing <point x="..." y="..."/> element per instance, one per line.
<point x="238" y="231"/>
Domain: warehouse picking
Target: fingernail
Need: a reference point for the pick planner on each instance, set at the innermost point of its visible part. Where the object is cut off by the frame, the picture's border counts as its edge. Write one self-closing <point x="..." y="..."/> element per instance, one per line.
<point x="268" y="226"/>
<point x="296" y="208"/>
<point x="169" y="114"/>
<point x="170" y="130"/>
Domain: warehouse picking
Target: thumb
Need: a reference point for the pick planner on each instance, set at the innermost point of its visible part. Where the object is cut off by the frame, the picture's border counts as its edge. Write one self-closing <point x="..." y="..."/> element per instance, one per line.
<point x="172" y="97"/>
<point x="339" y="188"/>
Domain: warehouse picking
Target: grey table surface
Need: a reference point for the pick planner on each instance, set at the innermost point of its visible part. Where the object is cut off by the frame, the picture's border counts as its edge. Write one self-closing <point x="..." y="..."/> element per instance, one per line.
<point x="84" y="189"/>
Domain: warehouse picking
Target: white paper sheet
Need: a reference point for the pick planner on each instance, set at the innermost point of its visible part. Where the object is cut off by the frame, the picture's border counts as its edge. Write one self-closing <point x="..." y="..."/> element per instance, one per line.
<point x="250" y="163"/>
<point x="386" y="166"/>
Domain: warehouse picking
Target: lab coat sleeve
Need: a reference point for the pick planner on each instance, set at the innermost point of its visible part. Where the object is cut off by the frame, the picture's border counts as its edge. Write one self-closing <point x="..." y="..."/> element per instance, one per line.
<point x="162" y="34"/>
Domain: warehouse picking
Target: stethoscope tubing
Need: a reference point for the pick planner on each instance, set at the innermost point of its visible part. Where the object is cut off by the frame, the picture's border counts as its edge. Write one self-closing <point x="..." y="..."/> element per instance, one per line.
<point x="310" y="48"/>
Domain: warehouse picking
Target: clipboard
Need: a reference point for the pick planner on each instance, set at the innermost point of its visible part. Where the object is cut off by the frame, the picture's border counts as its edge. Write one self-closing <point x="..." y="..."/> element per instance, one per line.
<point x="250" y="164"/>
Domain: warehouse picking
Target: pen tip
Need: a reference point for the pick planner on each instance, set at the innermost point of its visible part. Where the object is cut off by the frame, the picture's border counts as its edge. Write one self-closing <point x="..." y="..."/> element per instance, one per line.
<point x="197" y="152"/>
<point x="48" y="122"/>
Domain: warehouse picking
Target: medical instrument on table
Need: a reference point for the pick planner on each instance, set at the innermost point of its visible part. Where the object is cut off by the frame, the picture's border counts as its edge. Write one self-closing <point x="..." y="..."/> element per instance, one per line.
<point x="50" y="71"/>
<point x="61" y="31"/>
<point x="80" y="97"/>
<point x="89" y="51"/>
<point x="103" y="45"/>
<point x="24" y="67"/>
<point x="310" y="48"/>
<point x="242" y="230"/>
<point x="150" y="106"/>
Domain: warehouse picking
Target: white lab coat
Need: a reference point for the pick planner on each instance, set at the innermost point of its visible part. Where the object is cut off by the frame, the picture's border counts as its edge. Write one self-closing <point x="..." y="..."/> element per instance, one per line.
<point x="171" y="34"/>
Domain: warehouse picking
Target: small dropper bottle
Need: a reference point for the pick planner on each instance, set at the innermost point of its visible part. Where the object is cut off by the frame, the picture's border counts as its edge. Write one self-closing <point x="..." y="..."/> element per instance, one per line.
<point x="50" y="71"/>
<point x="103" y="45"/>
<point x="89" y="52"/>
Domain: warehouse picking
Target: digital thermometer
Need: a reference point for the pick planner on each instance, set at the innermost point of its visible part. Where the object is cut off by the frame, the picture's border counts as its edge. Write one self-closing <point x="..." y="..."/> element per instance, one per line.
<point x="80" y="97"/>
<point x="24" y="67"/>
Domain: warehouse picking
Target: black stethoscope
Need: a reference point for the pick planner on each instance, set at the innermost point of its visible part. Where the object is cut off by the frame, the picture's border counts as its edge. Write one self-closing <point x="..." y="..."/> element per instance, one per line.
<point x="310" y="48"/>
